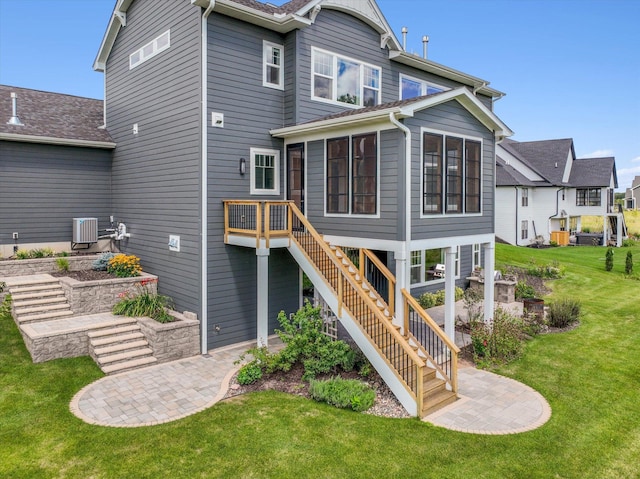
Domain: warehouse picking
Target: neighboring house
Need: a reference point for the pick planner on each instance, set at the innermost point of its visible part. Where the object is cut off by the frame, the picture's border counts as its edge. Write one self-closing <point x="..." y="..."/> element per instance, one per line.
<point x="543" y="190"/>
<point x="632" y="195"/>
<point x="55" y="165"/>
<point x="223" y="109"/>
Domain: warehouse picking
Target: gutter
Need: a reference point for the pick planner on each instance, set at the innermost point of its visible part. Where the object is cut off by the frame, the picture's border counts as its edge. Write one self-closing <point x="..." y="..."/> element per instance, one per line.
<point x="204" y="185"/>
<point x="516" y="225"/>
<point x="557" y="211"/>
<point x="51" y="140"/>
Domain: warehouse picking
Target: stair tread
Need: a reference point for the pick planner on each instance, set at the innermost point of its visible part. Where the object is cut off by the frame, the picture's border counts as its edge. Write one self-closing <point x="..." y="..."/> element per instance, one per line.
<point x="116" y="338"/>
<point x="121" y="347"/>
<point x="36" y="317"/>
<point x="124" y="356"/>
<point x="35" y="287"/>
<point x="126" y="365"/>
<point x="41" y="308"/>
<point x="116" y="330"/>
<point x="44" y="294"/>
<point x="21" y="303"/>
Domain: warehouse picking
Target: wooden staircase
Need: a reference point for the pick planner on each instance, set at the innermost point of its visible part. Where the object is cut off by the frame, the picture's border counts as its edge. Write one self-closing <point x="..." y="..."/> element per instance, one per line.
<point x="39" y="299"/>
<point x="120" y="346"/>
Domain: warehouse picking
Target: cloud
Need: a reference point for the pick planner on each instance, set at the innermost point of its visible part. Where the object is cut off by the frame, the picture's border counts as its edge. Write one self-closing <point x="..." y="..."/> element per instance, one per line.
<point x="636" y="160"/>
<point x="599" y="154"/>
<point x="626" y="176"/>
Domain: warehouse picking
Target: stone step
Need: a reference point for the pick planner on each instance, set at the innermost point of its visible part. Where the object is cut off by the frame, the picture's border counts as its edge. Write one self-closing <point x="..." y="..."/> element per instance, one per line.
<point x="104" y="351"/>
<point x="113" y="334"/>
<point x="42" y="308"/>
<point x="126" y="356"/>
<point x="34" y="287"/>
<point x="106" y="329"/>
<point x="22" y="303"/>
<point x="42" y="294"/>
<point x="31" y="318"/>
<point x="129" y="365"/>
<point x="116" y="339"/>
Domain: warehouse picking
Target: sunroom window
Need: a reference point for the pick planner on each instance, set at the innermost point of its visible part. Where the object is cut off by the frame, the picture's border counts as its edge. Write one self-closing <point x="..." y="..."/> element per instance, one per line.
<point x="344" y="80"/>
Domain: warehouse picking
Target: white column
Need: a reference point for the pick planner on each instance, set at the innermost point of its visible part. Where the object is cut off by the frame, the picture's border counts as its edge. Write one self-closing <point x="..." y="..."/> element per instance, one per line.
<point x="262" y="299"/>
<point x="450" y="292"/>
<point x="605" y="230"/>
<point x="489" y="280"/>
<point x="402" y="275"/>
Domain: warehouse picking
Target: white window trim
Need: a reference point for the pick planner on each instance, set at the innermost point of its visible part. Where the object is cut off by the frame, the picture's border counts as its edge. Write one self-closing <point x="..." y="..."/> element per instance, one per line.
<point x="276" y="180"/>
<point x="464" y="174"/>
<point x="334" y="93"/>
<point x="476" y="248"/>
<point x="524" y="228"/>
<point x="156" y="50"/>
<point x="524" y="193"/>
<point x="423" y="269"/>
<point x="423" y="85"/>
<point x="266" y="62"/>
<point x="350" y="179"/>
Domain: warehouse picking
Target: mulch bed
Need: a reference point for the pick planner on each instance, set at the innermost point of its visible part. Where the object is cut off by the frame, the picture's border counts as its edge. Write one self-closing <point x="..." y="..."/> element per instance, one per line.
<point x="84" y="275"/>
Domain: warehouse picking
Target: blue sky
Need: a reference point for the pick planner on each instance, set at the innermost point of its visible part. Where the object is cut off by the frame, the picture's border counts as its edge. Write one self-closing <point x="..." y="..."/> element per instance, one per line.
<point x="570" y="68"/>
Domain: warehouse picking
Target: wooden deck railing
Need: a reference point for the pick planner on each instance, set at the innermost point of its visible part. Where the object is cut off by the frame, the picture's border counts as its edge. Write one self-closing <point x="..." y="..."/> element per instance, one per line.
<point x="437" y="346"/>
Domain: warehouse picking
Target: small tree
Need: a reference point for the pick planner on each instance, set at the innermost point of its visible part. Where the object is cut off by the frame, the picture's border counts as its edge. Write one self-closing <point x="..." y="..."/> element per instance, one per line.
<point x="628" y="264"/>
<point x="608" y="262"/>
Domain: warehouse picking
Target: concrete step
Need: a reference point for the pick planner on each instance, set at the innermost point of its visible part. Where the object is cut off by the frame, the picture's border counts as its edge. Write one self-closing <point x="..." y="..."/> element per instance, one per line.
<point x="129" y="365"/>
<point x="42" y="308"/>
<point x="23" y="303"/>
<point x="126" y="356"/>
<point x="123" y="325"/>
<point x="34" y="287"/>
<point x="32" y="318"/>
<point x="126" y="334"/>
<point x="52" y="293"/>
<point x="104" y="351"/>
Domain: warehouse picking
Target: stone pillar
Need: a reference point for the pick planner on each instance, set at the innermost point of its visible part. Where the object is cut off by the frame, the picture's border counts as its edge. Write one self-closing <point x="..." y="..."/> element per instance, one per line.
<point x="262" y="299"/>
<point x="450" y="292"/>
<point x="489" y="279"/>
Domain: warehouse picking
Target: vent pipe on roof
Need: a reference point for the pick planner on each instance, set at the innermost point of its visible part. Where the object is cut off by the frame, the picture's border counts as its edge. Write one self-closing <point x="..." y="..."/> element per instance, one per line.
<point x="14" y="120"/>
<point x="425" y="43"/>
<point x="405" y="30"/>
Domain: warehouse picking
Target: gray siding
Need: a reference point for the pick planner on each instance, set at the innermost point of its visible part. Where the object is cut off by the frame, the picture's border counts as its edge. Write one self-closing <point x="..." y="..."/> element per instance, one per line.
<point x="42" y="187"/>
<point x="451" y="117"/>
<point x="384" y="227"/>
<point x="156" y="173"/>
<point x="250" y="111"/>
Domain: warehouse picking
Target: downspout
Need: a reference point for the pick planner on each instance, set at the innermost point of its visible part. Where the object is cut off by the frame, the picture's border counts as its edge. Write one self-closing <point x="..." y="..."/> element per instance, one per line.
<point x="204" y="323"/>
<point x="517" y="229"/>
<point x="557" y="211"/>
<point x="406" y="249"/>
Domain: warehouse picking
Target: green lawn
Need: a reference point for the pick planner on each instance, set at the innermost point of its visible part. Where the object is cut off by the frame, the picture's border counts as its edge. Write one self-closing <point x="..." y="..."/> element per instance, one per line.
<point x="590" y="376"/>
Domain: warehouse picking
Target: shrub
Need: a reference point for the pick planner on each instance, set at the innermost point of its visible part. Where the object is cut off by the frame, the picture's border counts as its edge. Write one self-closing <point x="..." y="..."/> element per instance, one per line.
<point x="563" y="312"/>
<point x="608" y="261"/>
<point x="145" y="303"/>
<point x="5" y="307"/>
<point x="628" y="263"/>
<point x="102" y="263"/>
<point x="63" y="264"/>
<point x="22" y="254"/>
<point x="249" y="373"/>
<point x="124" y="266"/>
<point x="552" y="270"/>
<point x="429" y="300"/>
<point x="343" y="393"/>
<point x="500" y="340"/>
<point x="524" y="290"/>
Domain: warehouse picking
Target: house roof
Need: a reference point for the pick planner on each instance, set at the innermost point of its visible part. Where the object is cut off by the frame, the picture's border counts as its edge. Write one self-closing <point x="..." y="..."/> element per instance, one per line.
<point x="350" y="118"/>
<point x="593" y="172"/>
<point x="53" y="118"/>
<point x="507" y="175"/>
<point x="546" y="157"/>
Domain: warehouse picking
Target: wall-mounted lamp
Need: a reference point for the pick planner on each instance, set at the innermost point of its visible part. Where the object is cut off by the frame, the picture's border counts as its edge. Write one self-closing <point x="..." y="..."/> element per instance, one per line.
<point x="243" y="166"/>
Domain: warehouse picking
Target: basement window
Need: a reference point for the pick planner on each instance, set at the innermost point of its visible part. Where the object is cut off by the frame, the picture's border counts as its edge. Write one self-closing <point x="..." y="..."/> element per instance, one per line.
<point x="150" y="50"/>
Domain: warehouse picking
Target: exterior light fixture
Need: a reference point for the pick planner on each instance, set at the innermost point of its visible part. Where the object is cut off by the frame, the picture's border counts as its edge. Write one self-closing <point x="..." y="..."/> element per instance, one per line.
<point x="243" y="166"/>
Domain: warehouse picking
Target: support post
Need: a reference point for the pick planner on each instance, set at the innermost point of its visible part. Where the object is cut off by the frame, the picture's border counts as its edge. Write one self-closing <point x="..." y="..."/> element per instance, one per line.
<point x="401" y="282"/>
<point x="262" y="299"/>
<point x="450" y="292"/>
<point x="489" y="279"/>
<point x="605" y="230"/>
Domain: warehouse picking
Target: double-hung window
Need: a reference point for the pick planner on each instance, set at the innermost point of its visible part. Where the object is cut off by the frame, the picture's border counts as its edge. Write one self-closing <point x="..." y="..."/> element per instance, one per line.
<point x="264" y="171"/>
<point x="339" y="79"/>
<point x="524" y="229"/>
<point x="273" y="72"/>
<point x="412" y="87"/>
<point x="451" y="174"/>
<point x="525" y="196"/>
<point x="352" y="175"/>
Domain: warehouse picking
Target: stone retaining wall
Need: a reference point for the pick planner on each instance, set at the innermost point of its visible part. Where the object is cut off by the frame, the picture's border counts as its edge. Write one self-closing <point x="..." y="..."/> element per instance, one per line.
<point x="170" y="341"/>
<point x="503" y="291"/>
<point x="23" y="267"/>
<point x="70" y="344"/>
<point x="88" y="297"/>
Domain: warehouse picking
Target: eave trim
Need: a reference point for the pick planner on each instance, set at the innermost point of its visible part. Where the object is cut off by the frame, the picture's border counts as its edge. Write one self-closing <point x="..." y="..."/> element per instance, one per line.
<point x="51" y="140"/>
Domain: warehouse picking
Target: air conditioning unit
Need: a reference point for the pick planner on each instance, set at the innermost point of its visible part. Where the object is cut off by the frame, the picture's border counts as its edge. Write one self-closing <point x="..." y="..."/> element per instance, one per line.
<point x="85" y="230"/>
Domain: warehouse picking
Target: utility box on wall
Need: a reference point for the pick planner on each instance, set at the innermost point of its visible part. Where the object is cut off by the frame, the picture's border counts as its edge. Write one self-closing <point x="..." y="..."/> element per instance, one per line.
<point x="85" y="230"/>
